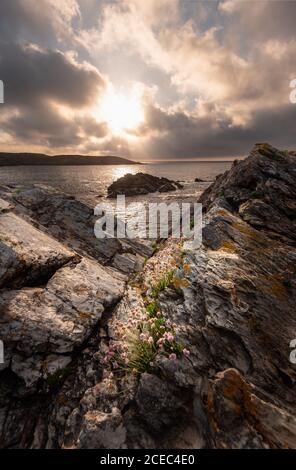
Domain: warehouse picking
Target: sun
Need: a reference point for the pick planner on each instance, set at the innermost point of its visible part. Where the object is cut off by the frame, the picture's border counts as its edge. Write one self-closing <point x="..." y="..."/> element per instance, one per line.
<point x="122" y="112"/>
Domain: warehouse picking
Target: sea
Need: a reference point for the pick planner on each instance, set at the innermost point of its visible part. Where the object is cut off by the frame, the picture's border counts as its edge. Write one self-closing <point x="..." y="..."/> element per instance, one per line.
<point x="89" y="183"/>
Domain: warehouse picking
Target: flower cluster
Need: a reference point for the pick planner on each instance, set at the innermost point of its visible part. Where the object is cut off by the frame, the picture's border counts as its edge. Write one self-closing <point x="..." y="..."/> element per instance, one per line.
<point x="146" y="337"/>
<point x="148" y="334"/>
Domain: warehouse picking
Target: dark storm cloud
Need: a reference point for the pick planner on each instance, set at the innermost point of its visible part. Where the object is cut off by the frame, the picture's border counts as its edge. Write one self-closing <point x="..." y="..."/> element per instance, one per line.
<point x="184" y="136"/>
<point x="44" y="125"/>
<point x="36" y="83"/>
<point x="31" y="74"/>
<point x="16" y="19"/>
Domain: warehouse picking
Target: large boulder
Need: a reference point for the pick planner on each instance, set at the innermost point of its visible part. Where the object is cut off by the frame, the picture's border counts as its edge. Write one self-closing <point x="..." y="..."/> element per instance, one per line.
<point x="141" y="183"/>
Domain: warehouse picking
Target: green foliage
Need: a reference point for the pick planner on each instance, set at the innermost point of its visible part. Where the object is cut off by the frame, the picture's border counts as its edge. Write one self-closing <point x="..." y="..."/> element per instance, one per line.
<point x="150" y="335"/>
<point x="152" y="308"/>
<point x="155" y="246"/>
<point x="163" y="283"/>
<point x="141" y="355"/>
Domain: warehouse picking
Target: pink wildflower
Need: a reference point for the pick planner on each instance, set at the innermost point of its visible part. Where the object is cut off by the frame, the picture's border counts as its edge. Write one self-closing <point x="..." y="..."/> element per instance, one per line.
<point x="172" y="357"/>
<point x="186" y="352"/>
<point x="142" y="337"/>
<point x="169" y="337"/>
<point x="150" y="340"/>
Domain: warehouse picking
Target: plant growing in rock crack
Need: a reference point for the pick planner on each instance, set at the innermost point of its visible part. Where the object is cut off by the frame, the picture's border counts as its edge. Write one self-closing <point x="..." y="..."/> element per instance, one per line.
<point x="163" y="283"/>
<point x="151" y="336"/>
<point x="151" y="308"/>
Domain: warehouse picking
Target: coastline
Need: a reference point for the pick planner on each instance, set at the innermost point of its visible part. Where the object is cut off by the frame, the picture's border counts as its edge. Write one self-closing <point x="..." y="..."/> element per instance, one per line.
<point x="69" y="304"/>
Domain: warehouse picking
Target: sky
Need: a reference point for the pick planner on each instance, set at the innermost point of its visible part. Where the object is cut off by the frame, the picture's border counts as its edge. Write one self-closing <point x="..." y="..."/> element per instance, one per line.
<point x="149" y="80"/>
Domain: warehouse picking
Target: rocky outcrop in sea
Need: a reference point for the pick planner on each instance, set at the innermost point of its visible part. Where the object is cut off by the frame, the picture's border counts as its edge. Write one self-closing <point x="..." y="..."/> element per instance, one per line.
<point x="141" y="183"/>
<point x="186" y="348"/>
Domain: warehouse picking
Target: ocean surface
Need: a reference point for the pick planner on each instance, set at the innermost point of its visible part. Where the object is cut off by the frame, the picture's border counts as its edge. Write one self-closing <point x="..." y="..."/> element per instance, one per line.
<point x="90" y="183"/>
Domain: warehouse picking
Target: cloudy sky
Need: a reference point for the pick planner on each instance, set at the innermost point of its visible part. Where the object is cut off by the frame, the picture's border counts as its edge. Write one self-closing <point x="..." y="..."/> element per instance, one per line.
<point x="153" y="79"/>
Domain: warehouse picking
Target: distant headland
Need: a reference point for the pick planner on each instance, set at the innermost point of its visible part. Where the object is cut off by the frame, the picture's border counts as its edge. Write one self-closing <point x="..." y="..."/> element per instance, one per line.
<point x="14" y="159"/>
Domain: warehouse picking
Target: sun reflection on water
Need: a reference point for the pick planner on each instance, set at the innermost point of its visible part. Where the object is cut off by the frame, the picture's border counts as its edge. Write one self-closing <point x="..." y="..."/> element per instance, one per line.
<point x="118" y="172"/>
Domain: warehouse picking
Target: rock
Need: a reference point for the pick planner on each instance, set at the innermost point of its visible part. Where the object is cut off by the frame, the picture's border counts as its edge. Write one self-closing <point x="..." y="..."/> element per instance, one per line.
<point x="66" y="219"/>
<point x="244" y="418"/>
<point x="262" y="188"/>
<point x="72" y="223"/>
<point x="127" y="262"/>
<point x="102" y="431"/>
<point x="157" y="405"/>
<point x="198" y="180"/>
<point x="5" y="206"/>
<point x="28" y="256"/>
<point x="232" y="303"/>
<point x="141" y="183"/>
<point x="56" y="319"/>
<point x="51" y="303"/>
<point x="235" y="312"/>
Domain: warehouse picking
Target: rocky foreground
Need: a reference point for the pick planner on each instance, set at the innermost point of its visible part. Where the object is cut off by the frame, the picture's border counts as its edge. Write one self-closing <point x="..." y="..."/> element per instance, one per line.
<point x="118" y="345"/>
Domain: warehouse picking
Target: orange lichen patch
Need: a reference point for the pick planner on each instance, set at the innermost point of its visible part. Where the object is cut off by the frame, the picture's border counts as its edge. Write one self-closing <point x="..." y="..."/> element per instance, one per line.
<point x="211" y="410"/>
<point x="82" y="290"/>
<point x="250" y="232"/>
<point x="91" y="416"/>
<point x="224" y="213"/>
<point x="186" y="267"/>
<point x="85" y="315"/>
<point x="234" y="297"/>
<point x="273" y="285"/>
<point x="179" y="283"/>
<point x="228" y="246"/>
<point x="232" y="386"/>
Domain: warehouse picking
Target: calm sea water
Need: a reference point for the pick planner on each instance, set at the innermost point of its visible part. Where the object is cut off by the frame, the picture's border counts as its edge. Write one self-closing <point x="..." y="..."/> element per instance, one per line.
<point x="91" y="182"/>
